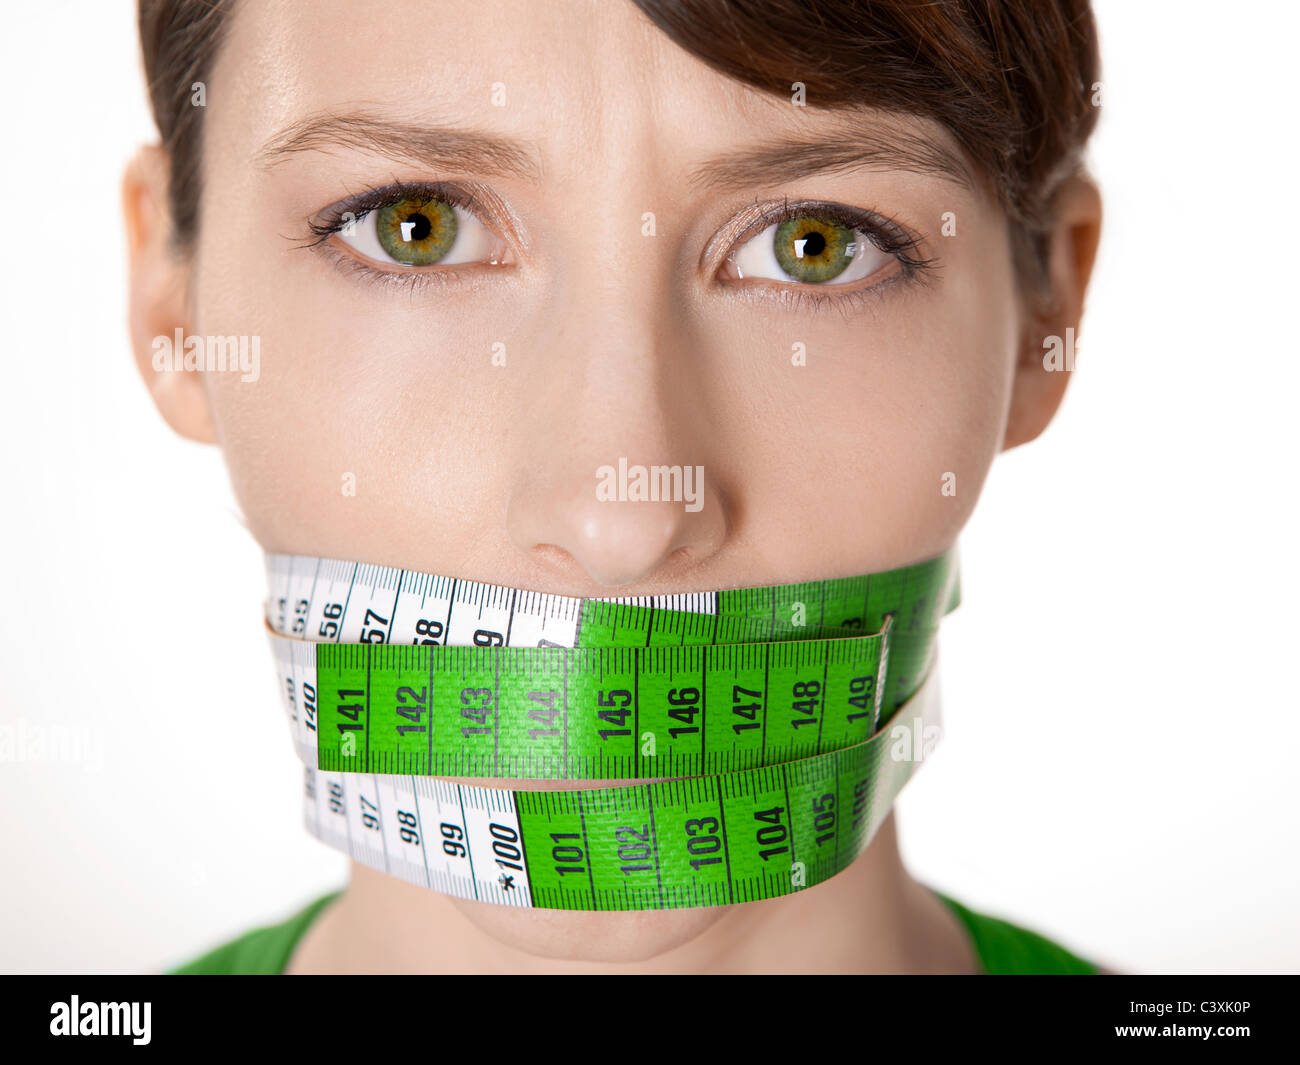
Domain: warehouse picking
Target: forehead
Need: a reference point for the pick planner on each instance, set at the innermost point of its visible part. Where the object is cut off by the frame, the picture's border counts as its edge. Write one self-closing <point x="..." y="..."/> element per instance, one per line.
<point x="583" y="82"/>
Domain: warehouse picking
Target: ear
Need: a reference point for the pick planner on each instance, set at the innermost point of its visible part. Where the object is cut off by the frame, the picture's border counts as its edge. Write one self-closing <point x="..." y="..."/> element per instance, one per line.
<point x="159" y="281"/>
<point x="1038" y="388"/>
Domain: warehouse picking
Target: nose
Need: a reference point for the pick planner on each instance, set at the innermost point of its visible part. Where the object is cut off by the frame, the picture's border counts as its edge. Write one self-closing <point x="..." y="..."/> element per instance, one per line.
<point x="613" y="446"/>
<point x="563" y="523"/>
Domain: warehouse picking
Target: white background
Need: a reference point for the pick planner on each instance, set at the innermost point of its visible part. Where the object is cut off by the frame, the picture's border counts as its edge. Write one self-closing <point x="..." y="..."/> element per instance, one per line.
<point x="1119" y="769"/>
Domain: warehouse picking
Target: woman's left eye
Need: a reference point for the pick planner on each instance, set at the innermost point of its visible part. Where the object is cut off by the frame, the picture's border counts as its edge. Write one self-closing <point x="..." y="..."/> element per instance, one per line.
<point x="422" y="231"/>
<point x="811" y="250"/>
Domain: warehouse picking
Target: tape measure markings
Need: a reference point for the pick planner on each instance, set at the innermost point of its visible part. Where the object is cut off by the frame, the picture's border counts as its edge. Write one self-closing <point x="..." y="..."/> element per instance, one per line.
<point x="449" y="711"/>
<point x="732" y="831"/>
<point x="341" y="612"/>
<point x="726" y="838"/>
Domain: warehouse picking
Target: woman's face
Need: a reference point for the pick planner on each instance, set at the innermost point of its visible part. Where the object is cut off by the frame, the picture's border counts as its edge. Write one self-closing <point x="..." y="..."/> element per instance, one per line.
<point x="383" y="426"/>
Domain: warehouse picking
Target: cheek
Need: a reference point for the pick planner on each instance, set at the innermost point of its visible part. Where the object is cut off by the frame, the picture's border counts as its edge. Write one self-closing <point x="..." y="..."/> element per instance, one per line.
<point x="366" y="428"/>
<point x="937" y="409"/>
<point x="570" y="936"/>
<point x="873" y="453"/>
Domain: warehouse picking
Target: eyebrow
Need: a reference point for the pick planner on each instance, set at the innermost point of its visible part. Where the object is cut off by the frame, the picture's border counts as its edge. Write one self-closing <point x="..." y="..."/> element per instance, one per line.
<point x="444" y="147"/>
<point x="770" y="162"/>
<point x="844" y="148"/>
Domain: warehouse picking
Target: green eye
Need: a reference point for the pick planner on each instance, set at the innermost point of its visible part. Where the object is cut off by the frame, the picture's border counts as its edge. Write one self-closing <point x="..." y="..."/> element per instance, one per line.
<point x="416" y="232"/>
<point x="812" y="249"/>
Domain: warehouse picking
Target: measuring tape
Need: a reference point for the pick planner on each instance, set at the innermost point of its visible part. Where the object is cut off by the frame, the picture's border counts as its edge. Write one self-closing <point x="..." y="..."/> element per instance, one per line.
<point x="786" y="719"/>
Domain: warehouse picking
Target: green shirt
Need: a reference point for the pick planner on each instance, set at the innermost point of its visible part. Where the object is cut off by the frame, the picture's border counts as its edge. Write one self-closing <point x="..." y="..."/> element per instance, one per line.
<point x="1002" y="948"/>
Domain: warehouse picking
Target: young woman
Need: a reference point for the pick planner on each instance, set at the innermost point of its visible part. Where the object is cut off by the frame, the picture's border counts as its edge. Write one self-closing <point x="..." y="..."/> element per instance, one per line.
<point x="816" y="252"/>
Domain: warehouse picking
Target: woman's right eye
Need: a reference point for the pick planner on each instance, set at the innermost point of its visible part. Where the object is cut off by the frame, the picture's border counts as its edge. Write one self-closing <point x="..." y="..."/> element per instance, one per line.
<point x="421" y="231"/>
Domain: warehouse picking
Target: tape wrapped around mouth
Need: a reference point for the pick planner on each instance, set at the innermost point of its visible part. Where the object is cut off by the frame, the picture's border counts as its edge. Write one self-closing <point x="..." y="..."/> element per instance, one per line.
<point x="778" y="725"/>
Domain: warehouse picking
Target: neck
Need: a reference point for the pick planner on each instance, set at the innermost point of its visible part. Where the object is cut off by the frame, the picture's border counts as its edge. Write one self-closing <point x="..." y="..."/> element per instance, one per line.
<point x="871" y="918"/>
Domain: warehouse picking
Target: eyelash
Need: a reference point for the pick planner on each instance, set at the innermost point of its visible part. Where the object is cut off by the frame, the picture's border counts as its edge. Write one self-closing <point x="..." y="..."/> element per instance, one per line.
<point x="332" y="220"/>
<point x="884" y="233"/>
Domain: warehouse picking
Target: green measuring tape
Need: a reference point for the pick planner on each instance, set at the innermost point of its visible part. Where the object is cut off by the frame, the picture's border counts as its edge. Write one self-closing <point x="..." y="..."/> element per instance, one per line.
<point x="789" y="716"/>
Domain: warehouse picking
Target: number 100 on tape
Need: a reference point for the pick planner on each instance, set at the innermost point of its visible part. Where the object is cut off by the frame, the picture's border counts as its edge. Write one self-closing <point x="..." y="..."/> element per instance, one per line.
<point x="700" y="841"/>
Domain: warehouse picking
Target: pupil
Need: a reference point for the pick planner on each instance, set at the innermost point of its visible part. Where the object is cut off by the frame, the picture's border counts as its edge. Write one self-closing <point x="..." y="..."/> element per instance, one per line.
<point x="814" y="243"/>
<point x="421" y="226"/>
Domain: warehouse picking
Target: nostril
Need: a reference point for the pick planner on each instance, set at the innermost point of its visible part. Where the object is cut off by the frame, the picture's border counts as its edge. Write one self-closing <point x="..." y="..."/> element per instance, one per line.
<point x="552" y="554"/>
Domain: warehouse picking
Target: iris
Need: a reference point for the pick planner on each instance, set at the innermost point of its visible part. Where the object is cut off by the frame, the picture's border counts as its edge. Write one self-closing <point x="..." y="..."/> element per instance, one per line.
<point x="416" y="232"/>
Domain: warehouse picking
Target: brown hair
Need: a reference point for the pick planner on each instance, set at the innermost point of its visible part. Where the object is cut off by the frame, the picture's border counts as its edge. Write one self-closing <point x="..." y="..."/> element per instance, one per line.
<point x="1011" y="80"/>
<point x="179" y="39"/>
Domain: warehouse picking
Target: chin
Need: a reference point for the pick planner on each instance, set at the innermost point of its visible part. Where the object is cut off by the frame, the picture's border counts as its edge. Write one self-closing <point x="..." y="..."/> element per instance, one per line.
<point x="582" y="935"/>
